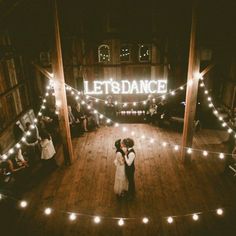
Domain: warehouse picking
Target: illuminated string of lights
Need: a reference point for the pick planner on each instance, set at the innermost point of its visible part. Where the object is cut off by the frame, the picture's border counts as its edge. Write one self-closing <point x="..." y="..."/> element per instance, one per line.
<point x="97" y="219"/>
<point x="23" y="139"/>
<point x="215" y="111"/>
<point x="175" y="147"/>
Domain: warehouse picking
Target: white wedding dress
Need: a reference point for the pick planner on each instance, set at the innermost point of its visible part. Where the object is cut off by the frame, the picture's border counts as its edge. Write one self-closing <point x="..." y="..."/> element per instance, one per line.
<point x="121" y="182"/>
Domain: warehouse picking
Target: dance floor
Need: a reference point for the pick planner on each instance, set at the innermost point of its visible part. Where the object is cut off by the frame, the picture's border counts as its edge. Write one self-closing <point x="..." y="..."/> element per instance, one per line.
<point x="165" y="187"/>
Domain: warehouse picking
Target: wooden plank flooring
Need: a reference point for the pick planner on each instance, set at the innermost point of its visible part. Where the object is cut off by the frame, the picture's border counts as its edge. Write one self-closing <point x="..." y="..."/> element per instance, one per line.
<point x="164" y="187"/>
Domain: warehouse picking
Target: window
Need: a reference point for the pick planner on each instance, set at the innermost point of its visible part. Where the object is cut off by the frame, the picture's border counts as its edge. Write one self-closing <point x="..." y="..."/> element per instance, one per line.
<point x="144" y="53"/>
<point x="125" y="53"/>
<point x="103" y="53"/>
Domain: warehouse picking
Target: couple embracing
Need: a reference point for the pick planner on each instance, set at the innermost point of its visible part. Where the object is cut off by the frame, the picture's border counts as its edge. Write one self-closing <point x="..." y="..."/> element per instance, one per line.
<point x="124" y="177"/>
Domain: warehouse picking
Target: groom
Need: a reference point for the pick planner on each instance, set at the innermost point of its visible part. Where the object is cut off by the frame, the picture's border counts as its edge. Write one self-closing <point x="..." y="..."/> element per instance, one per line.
<point x="129" y="165"/>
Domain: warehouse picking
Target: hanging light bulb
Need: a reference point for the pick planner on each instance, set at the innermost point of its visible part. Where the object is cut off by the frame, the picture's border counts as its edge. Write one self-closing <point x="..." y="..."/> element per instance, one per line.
<point x="144" y="102"/>
<point x="172" y="93"/>
<point x="195" y="217"/>
<point x="48" y="211"/>
<point x="189" y="150"/>
<point x="219" y="211"/>
<point x="170" y="220"/>
<point x="116" y="124"/>
<point x="97" y="219"/>
<point x="134" y="104"/>
<point x="229" y="130"/>
<point x="11" y="151"/>
<point x="18" y="145"/>
<point x="221" y="156"/>
<point x="205" y="153"/>
<point x="72" y="216"/>
<point x="151" y="140"/>
<point x="181" y="88"/>
<point x="164" y="144"/>
<point x="176" y="147"/>
<point x="101" y="116"/>
<point x="124" y="129"/>
<point x="121" y="222"/>
<point x="4" y="156"/>
<point x="132" y="133"/>
<point x="145" y="220"/>
<point x="23" y="204"/>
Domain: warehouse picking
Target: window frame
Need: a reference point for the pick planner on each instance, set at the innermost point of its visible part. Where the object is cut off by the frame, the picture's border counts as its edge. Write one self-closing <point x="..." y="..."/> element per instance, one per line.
<point x="109" y="53"/>
<point x="139" y="52"/>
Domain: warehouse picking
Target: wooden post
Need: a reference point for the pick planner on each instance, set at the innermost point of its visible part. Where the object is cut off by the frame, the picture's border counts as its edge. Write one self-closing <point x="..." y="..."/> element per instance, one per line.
<point x="60" y="92"/>
<point x="192" y="90"/>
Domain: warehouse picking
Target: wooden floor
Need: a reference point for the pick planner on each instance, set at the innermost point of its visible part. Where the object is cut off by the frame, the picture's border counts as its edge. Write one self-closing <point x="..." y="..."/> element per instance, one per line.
<point x="164" y="188"/>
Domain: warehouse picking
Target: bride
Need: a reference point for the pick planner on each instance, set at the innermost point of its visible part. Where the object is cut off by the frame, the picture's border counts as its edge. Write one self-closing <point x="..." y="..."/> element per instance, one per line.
<point x="121" y="182"/>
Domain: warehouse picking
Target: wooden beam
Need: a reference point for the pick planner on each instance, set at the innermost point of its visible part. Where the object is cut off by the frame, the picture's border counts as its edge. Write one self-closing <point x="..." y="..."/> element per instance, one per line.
<point x="208" y="68"/>
<point x="43" y="71"/>
<point x="192" y="90"/>
<point x="60" y="92"/>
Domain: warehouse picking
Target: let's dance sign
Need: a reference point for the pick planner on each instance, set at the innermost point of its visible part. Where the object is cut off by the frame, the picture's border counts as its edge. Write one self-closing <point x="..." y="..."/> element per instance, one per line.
<point x="125" y="87"/>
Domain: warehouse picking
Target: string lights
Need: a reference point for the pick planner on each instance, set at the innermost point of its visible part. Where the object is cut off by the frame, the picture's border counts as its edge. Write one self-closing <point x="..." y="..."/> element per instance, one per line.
<point x="215" y="111"/>
<point x="72" y="216"/>
<point x="174" y="147"/>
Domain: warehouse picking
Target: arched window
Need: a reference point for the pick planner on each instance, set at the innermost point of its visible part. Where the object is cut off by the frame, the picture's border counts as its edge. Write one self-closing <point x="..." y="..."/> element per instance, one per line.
<point x="104" y="53"/>
<point x="144" y="53"/>
<point x="125" y="53"/>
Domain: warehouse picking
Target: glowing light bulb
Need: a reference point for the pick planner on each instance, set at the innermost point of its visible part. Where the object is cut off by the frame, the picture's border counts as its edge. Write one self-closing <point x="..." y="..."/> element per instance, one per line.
<point x="176" y="147"/>
<point x="40" y="113"/>
<point x="95" y="111"/>
<point x="215" y="112"/>
<point x="106" y="102"/>
<point x="170" y="220"/>
<point x="201" y="84"/>
<point x="96" y="100"/>
<point x="221" y="156"/>
<point x="125" y="104"/>
<point x="89" y="107"/>
<point x="44" y="100"/>
<point x="83" y="102"/>
<point x="132" y="133"/>
<point x="116" y="124"/>
<point x="35" y="120"/>
<point x="101" y="116"/>
<point x="220" y="118"/>
<point x="77" y="97"/>
<point x="144" y="102"/>
<point x="134" y="103"/>
<point x="108" y="120"/>
<point x="205" y="153"/>
<point x="181" y="88"/>
<point x="23" y="204"/>
<point x="46" y="94"/>
<point x="48" y="211"/>
<point x="145" y="220"/>
<point x="72" y="216"/>
<point x="4" y="156"/>
<point x="72" y="92"/>
<point x="195" y="217"/>
<point x="164" y="144"/>
<point x="224" y="124"/>
<point x="1" y="196"/>
<point x="124" y="129"/>
<point x="143" y="136"/>
<point x="230" y="130"/>
<point x="28" y="133"/>
<point x="189" y="150"/>
<point x="163" y="97"/>
<point x="219" y="211"/>
<point x="172" y="93"/>
<point x="116" y="102"/>
<point x="97" y="219"/>
<point x="23" y="139"/>
<point x="209" y="98"/>
<point x="11" y="151"/>
<point x="210" y="105"/>
<point x="206" y="92"/>
<point x="18" y="145"/>
<point x="121" y="222"/>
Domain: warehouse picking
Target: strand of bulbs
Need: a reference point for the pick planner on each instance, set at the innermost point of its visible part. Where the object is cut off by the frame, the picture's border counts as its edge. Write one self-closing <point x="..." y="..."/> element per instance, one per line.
<point x="175" y="147"/>
<point x="215" y="111"/>
<point x="18" y="145"/>
<point x="72" y="216"/>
